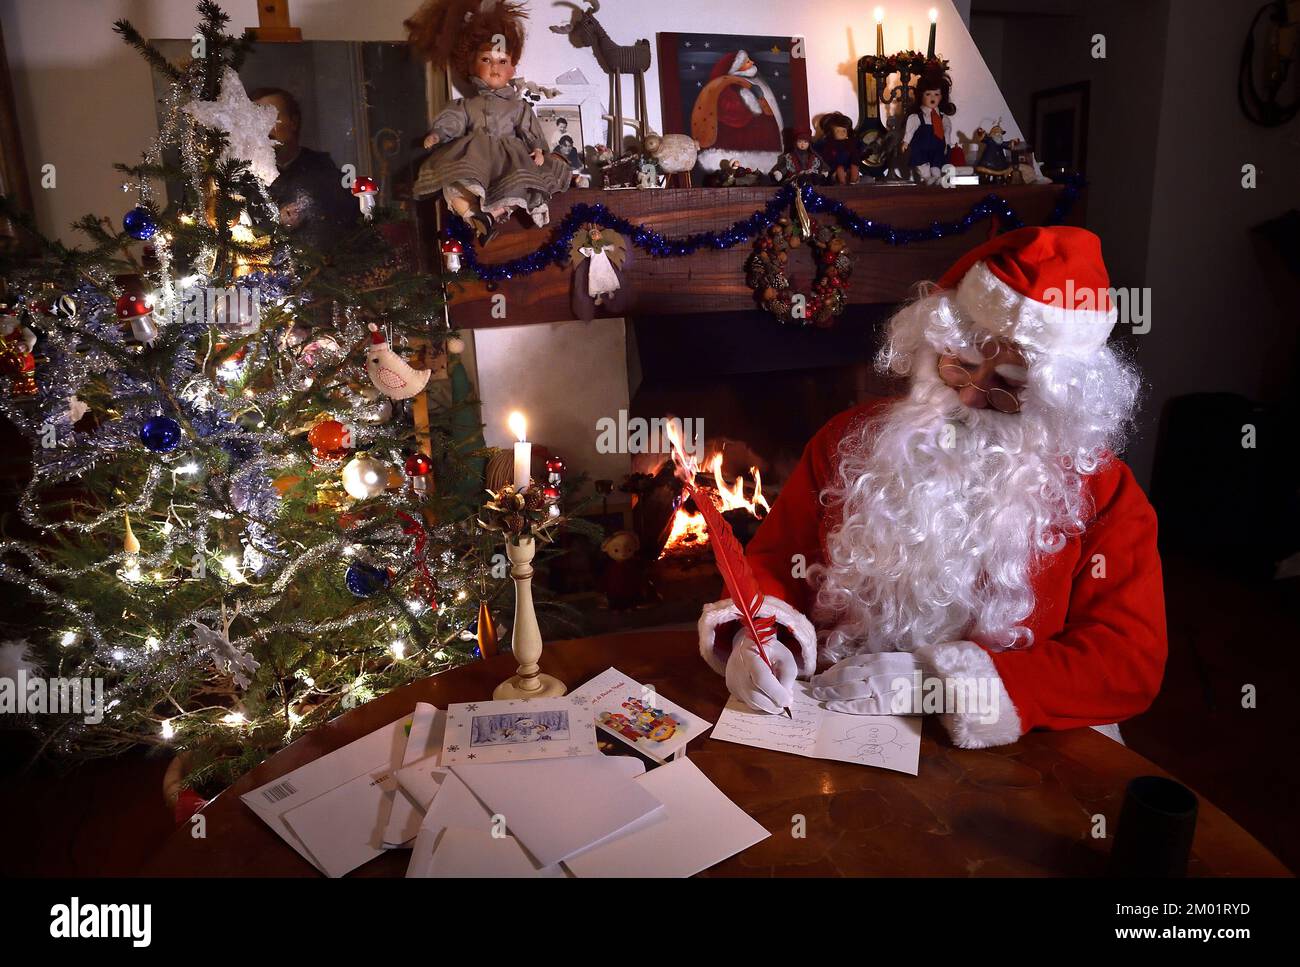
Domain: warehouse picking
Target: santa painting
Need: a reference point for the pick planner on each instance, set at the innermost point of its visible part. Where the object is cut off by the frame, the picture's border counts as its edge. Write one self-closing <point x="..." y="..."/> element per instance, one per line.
<point x="736" y="115"/>
<point x="978" y="532"/>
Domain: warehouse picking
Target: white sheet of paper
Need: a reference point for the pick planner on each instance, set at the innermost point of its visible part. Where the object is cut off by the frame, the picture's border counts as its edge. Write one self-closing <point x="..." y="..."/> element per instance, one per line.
<point x="369" y="756"/>
<point x="460" y="851"/>
<point x="887" y="741"/>
<point x="700" y="827"/>
<point x="556" y="807"/>
<point x="423" y="741"/>
<point x="517" y="730"/>
<point x="638" y="715"/>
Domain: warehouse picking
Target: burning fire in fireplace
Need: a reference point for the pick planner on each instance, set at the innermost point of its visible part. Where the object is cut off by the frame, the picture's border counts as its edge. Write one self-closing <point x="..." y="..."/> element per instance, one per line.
<point x="687" y="532"/>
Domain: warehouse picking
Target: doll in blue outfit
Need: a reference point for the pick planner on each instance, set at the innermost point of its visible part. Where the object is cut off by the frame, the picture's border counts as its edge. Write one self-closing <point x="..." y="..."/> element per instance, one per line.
<point x="928" y="135"/>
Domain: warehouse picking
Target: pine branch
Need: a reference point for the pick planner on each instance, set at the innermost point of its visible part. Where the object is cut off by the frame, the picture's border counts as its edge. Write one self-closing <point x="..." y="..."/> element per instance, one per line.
<point x="148" y="51"/>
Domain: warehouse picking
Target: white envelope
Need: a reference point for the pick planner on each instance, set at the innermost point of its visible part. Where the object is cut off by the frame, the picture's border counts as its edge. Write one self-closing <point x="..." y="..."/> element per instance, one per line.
<point x="556" y="807"/>
<point x="420" y="782"/>
<point x="454" y="806"/>
<point x="369" y="758"/>
<point x="344" y="828"/>
<point x="423" y="741"/>
<point x="460" y="851"/>
<point x="700" y="826"/>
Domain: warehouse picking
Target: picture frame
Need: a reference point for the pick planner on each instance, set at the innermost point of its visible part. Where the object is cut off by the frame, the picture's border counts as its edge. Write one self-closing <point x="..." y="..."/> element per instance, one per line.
<point x="363" y="103"/>
<point x="562" y="125"/>
<point x="737" y="94"/>
<point x="1059" y="127"/>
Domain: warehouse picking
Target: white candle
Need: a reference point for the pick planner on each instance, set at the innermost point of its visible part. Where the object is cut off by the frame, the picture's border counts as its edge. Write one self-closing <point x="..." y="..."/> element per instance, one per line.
<point x="523" y="450"/>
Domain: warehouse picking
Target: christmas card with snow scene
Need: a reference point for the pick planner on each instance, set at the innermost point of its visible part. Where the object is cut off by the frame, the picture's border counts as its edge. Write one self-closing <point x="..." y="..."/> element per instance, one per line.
<point x="516" y="730"/>
<point x="638" y="715"/>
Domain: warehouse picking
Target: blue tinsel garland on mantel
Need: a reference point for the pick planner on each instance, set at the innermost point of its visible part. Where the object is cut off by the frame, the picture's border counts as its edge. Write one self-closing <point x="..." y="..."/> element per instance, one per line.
<point x="556" y="251"/>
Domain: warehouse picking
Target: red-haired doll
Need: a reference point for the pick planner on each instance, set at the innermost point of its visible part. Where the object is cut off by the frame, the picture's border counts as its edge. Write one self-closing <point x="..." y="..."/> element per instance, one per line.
<point x="489" y="155"/>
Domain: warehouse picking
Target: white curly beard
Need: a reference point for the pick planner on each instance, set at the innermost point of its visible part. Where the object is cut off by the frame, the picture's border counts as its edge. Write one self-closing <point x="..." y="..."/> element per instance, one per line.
<point x="946" y="509"/>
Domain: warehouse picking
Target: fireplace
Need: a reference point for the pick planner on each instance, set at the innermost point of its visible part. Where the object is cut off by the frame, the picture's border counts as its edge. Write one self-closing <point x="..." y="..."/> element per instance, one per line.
<point x="760" y="390"/>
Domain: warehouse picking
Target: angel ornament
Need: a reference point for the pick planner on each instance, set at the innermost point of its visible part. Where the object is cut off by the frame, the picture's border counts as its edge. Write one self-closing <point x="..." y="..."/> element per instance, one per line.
<point x="489" y="153"/>
<point x="229" y="658"/>
<point x="599" y="257"/>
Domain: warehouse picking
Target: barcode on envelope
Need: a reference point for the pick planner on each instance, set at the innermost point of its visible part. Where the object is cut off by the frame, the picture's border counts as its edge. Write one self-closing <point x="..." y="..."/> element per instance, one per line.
<point x="281" y="790"/>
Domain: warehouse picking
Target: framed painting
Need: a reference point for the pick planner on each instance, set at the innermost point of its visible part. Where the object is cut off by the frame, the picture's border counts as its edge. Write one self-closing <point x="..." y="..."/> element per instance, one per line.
<point x="736" y="94"/>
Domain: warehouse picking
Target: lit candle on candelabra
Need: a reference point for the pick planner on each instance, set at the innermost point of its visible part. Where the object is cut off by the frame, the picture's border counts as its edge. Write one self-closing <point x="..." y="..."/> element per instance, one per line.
<point x="934" y="19"/>
<point x="523" y="450"/>
<point x="880" y="31"/>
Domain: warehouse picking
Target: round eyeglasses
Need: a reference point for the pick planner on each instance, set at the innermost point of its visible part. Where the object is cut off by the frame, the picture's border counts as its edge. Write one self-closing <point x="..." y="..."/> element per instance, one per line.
<point x="955" y="373"/>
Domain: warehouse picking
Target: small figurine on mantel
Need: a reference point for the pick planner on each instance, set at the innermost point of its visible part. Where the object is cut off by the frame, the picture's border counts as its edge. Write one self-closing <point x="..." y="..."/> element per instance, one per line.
<point x="490" y="155"/>
<point x="800" y="164"/>
<point x="598" y="256"/>
<point x="841" y="152"/>
<point x="994" y="162"/>
<point x="732" y="174"/>
<point x="928" y="136"/>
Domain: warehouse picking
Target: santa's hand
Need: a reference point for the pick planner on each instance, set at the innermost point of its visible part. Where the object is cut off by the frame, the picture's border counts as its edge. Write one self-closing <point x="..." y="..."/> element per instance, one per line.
<point x="430" y="140"/>
<point x="539" y="157"/>
<point x="872" y="684"/>
<point x="751" y="681"/>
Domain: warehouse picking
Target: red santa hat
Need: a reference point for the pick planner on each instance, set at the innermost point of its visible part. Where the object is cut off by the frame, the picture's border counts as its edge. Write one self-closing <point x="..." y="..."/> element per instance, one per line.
<point x="1045" y="288"/>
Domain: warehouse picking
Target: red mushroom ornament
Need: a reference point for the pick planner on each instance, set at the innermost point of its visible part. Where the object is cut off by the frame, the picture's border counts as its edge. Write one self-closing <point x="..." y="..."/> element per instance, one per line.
<point x="452" y="250"/>
<point x="138" y="311"/>
<point x="364" y="189"/>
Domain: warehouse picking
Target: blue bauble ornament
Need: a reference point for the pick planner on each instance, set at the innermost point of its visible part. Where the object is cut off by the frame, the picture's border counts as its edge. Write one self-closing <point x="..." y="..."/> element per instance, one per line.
<point x="364" y="579"/>
<point x="160" y="434"/>
<point x="139" y="223"/>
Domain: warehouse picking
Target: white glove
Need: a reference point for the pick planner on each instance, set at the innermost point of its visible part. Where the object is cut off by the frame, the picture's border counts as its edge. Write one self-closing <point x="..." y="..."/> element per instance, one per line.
<point x="870" y="684"/>
<point x="751" y="681"/>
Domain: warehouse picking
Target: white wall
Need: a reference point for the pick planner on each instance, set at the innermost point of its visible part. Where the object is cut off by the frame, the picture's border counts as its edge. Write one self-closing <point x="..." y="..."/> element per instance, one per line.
<point x="563" y="377"/>
<point x="84" y="98"/>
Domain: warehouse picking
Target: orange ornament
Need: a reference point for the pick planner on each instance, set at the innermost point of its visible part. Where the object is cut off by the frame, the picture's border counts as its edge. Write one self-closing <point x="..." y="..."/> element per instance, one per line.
<point x="329" y="439"/>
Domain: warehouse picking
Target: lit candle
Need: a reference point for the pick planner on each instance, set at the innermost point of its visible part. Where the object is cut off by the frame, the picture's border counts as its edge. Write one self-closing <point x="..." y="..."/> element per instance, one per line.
<point x="523" y="450"/>
<point x="880" y="31"/>
<point x="934" y="19"/>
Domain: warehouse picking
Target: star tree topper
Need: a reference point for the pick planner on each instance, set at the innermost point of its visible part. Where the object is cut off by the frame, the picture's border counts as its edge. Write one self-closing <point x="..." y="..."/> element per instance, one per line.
<point x="247" y="125"/>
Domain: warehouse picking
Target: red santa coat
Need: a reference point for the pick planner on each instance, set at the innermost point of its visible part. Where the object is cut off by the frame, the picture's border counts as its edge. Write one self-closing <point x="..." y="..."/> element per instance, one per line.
<point x="1099" y="643"/>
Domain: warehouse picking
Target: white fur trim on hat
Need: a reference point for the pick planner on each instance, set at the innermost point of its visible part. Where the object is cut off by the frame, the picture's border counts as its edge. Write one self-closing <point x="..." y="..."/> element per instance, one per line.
<point x="1055" y="330"/>
<point x="967" y="666"/>
<point x="721" y="612"/>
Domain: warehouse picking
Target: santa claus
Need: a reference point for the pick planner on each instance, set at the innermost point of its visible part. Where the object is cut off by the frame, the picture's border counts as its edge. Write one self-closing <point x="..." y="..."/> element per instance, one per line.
<point x="978" y="534"/>
<point x="736" y="116"/>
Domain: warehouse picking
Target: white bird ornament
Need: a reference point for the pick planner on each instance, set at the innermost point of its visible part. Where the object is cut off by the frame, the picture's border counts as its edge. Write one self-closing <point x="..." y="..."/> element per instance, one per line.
<point x="389" y="372"/>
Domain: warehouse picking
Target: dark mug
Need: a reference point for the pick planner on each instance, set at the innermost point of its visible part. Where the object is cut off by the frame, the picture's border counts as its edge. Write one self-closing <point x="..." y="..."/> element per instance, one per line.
<point x="1153" y="836"/>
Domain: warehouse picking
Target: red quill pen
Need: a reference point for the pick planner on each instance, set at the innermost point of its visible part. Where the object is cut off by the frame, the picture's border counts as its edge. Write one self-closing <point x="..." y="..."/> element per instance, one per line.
<point x="737" y="575"/>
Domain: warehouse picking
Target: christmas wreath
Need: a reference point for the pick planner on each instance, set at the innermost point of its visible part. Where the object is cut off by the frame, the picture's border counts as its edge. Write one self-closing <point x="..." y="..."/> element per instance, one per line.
<point x="768" y="271"/>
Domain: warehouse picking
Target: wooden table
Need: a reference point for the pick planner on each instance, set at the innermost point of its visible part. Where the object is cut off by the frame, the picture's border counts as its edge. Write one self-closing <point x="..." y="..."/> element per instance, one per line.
<point x="1026" y="808"/>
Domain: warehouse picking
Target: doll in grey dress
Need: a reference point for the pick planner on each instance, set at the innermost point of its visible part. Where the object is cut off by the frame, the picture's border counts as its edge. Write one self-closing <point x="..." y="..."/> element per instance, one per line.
<point x="489" y="154"/>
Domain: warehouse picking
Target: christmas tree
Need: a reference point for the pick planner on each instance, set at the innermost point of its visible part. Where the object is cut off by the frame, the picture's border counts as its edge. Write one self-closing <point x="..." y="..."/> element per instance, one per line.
<point x="231" y="520"/>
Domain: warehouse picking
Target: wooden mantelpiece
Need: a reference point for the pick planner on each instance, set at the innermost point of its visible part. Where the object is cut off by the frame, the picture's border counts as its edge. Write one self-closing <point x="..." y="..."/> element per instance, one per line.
<point x="714" y="281"/>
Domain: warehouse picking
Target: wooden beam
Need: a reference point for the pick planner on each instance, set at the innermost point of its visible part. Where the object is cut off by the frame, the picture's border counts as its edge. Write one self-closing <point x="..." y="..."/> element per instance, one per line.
<point x="273" y="25"/>
<point x="714" y="281"/>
